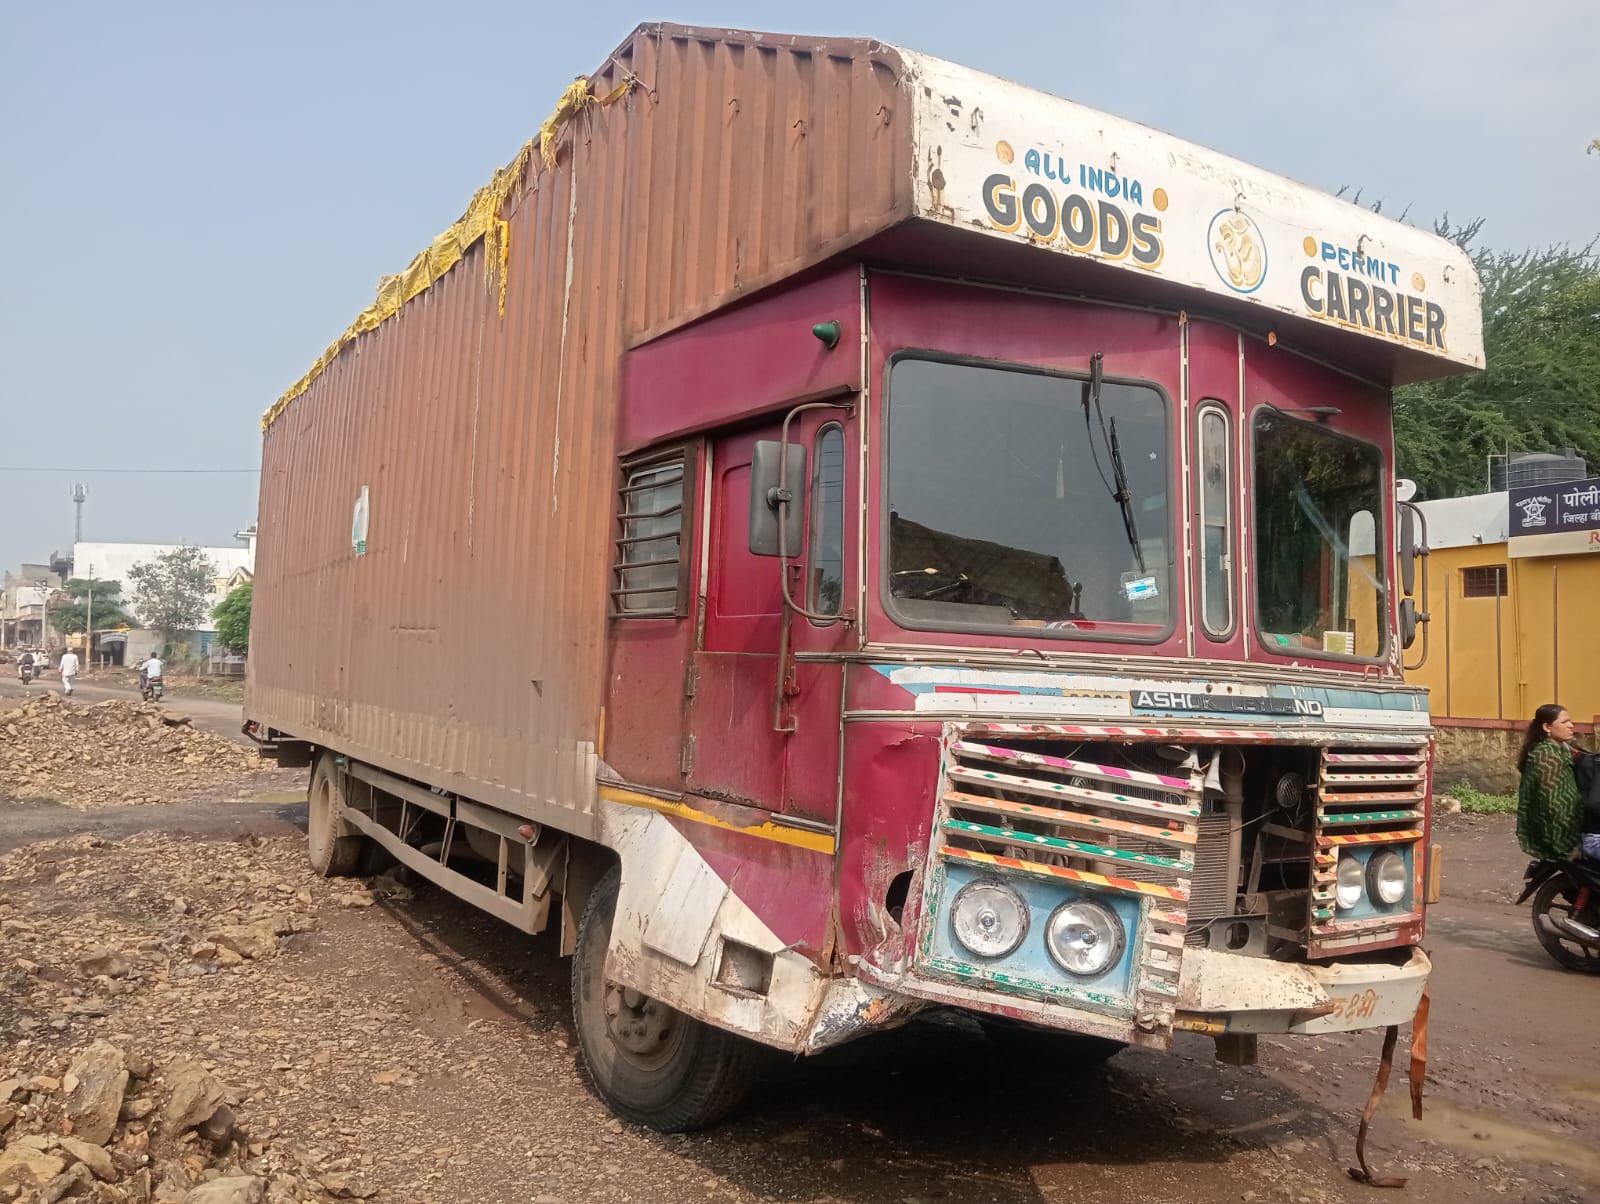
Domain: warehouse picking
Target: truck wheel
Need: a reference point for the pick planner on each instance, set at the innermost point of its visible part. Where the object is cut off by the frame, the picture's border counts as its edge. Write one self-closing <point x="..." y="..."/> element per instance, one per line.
<point x="1066" y="1052"/>
<point x="335" y="847"/>
<point x="650" y="1063"/>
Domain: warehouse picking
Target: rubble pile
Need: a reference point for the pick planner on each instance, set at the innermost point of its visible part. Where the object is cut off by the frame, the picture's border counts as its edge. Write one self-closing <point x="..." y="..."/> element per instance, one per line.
<point x="119" y="1076"/>
<point x="111" y="753"/>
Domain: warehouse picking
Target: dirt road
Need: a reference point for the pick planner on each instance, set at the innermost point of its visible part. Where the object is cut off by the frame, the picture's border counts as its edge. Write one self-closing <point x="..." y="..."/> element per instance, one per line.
<point x="217" y="716"/>
<point x="429" y="1047"/>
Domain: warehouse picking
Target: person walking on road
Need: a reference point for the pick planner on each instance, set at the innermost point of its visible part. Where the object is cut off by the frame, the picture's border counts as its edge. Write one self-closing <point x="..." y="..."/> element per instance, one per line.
<point x="1549" y="808"/>
<point x="69" y="671"/>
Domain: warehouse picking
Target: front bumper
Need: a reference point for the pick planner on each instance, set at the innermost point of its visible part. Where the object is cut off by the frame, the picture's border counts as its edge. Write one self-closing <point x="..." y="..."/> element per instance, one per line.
<point x="1229" y="993"/>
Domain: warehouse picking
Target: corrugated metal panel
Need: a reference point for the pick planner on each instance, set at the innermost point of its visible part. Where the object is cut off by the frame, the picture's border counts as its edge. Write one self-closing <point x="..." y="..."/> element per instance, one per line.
<point x="465" y="648"/>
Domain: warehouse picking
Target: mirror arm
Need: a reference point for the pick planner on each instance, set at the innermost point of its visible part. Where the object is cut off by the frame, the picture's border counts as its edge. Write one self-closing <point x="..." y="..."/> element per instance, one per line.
<point x="782" y="497"/>
<point x="1423" y="617"/>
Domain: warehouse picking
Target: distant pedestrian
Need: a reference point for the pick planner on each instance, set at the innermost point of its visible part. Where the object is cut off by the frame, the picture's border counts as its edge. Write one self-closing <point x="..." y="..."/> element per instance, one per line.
<point x="1549" y="809"/>
<point x="69" y="671"/>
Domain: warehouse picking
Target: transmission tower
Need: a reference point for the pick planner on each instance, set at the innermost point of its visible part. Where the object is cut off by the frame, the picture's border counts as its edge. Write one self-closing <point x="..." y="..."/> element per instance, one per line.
<point x="79" y="494"/>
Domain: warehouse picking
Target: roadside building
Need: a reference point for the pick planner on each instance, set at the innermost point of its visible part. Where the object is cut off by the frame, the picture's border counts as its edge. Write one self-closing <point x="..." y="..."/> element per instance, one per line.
<point x="116" y="561"/>
<point x="1512" y="582"/>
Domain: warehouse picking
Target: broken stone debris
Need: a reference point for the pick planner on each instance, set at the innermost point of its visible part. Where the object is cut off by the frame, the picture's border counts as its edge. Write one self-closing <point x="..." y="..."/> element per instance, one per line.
<point x="112" y="753"/>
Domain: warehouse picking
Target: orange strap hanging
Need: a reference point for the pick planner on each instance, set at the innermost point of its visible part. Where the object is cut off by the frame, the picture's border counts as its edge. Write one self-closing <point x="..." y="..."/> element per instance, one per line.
<point x="1419" y="1066"/>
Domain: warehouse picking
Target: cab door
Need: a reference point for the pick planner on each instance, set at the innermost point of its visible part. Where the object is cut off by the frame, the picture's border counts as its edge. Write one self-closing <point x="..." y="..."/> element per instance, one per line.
<point x="765" y="710"/>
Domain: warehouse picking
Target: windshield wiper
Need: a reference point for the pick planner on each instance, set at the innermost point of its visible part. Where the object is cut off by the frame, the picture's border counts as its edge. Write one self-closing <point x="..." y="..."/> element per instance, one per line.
<point x="1118" y="485"/>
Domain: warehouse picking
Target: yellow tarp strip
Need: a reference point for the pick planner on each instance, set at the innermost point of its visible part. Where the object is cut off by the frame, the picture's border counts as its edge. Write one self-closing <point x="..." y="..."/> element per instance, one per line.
<point x="483" y="220"/>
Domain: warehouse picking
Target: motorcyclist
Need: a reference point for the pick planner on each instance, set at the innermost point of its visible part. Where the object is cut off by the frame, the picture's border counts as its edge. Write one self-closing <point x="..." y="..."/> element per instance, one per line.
<point x="149" y="671"/>
<point x="25" y="665"/>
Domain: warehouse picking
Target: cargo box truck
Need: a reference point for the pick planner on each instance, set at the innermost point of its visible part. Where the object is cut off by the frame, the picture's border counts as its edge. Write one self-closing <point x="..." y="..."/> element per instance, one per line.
<point x="839" y="534"/>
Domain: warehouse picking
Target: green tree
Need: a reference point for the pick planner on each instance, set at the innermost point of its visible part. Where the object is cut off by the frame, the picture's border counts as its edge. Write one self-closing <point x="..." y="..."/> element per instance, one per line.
<point x="171" y="591"/>
<point x="71" y="617"/>
<point x="1541" y="386"/>
<point x="233" y="617"/>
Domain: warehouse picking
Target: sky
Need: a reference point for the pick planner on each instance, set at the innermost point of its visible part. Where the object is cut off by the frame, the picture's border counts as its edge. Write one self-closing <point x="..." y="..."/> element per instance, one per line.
<point x="198" y="197"/>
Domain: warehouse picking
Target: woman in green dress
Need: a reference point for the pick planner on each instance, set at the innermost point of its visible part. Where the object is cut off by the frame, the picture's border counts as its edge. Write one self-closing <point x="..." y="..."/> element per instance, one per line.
<point x="1549" y="809"/>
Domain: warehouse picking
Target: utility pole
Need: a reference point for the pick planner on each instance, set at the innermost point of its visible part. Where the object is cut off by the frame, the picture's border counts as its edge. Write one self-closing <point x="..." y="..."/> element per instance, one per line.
<point x="88" y="626"/>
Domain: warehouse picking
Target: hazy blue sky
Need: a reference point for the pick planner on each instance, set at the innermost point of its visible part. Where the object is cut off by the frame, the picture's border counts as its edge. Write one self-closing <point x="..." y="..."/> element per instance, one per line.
<point x="197" y="197"/>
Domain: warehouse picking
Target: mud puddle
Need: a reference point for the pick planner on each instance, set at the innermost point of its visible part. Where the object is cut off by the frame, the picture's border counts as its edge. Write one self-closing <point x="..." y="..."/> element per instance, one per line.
<point x="1495" y="1135"/>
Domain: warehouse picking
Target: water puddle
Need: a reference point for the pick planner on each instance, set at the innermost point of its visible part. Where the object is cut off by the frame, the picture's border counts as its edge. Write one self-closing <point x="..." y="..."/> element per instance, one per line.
<point x="278" y="797"/>
<point x="1493" y="1135"/>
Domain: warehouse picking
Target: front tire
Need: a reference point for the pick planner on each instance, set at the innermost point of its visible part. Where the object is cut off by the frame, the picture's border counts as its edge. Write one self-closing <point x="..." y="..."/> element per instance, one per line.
<point x="335" y="847"/>
<point x="649" y="1062"/>
<point x="1548" y="902"/>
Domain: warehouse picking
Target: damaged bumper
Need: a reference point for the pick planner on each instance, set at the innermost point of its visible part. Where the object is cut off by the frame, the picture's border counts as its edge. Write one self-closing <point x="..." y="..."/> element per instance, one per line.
<point x="1228" y="993"/>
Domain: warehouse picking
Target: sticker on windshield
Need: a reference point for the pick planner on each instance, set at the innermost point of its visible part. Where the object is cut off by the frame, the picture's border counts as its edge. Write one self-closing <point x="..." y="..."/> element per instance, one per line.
<point x="1139" y="589"/>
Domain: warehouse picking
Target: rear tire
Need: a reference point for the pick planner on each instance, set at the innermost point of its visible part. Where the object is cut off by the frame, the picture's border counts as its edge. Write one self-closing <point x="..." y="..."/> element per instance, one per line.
<point x="1057" y="1051"/>
<point x="1551" y="900"/>
<point x="335" y="847"/>
<point x="650" y="1063"/>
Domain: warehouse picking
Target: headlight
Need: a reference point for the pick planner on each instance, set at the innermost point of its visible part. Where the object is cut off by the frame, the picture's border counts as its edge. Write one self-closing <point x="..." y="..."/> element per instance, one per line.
<point x="989" y="918"/>
<point x="1386" y="878"/>
<point x="1349" y="885"/>
<point x="1084" y="938"/>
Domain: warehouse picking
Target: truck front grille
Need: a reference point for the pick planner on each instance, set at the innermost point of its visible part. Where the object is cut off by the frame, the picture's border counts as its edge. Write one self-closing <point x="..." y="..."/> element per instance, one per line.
<point x="1021" y="810"/>
<point x="1365" y="796"/>
<point x="1212" y="895"/>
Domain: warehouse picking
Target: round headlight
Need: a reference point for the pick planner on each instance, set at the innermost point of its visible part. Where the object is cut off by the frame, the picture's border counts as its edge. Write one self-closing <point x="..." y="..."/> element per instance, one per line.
<point x="1386" y="878"/>
<point x="1084" y="938"/>
<point x="1348" y="886"/>
<point x="989" y="918"/>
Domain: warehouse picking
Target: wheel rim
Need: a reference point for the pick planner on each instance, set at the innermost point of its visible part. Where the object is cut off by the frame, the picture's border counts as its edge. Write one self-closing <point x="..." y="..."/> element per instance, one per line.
<point x="639" y="1030"/>
<point x="645" y="1031"/>
<point x="317" y="828"/>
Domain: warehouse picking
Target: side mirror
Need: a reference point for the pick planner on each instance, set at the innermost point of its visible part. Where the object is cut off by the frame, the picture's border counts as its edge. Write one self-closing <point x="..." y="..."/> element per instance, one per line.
<point x="1409" y="622"/>
<point x="1408" y="551"/>
<point x="777" y="485"/>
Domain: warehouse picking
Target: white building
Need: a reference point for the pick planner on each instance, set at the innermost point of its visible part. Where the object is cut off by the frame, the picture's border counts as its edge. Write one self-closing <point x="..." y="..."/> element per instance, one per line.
<point x="114" y="561"/>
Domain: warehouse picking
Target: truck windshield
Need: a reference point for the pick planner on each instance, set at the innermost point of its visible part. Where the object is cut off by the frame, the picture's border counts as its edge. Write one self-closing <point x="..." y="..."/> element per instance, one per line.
<point x="1319" y="572"/>
<point x="1003" y="509"/>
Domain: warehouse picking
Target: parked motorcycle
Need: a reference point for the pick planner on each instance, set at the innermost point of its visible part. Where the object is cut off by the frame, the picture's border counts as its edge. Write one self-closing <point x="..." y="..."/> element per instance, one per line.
<point x="150" y="689"/>
<point x="1566" y="911"/>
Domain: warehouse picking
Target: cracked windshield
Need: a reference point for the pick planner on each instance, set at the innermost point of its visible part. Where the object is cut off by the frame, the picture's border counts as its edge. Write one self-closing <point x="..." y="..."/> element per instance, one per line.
<point x="1018" y="499"/>
<point x="1318" y="583"/>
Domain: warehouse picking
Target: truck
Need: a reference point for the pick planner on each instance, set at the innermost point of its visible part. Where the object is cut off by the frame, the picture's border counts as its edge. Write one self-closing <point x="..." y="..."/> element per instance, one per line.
<point x="839" y="535"/>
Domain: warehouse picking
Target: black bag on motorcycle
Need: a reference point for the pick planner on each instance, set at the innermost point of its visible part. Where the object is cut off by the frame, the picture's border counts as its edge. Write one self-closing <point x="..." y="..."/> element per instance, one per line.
<point x="1586" y="768"/>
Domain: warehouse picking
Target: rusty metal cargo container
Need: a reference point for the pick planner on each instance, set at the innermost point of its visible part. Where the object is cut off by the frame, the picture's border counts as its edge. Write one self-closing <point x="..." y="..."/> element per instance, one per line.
<point x="465" y="644"/>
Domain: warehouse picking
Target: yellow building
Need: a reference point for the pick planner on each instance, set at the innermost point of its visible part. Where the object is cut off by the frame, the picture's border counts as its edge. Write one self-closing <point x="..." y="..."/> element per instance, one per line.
<point x="1510" y="631"/>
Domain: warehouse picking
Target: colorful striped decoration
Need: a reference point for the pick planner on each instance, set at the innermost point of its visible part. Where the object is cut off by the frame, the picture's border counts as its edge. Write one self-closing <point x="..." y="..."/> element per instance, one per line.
<point x="1370" y="837"/>
<point x="1039" y="786"/>
<point x="1098" y="852"/>
<point x="1334" y="799"/>
<point x="1128" y="885"/>
<point x="1088" y="769"/>
<point x="1080" y="819"/>
<point x="1416" y="757"/>
<point x="1369" y="817"/>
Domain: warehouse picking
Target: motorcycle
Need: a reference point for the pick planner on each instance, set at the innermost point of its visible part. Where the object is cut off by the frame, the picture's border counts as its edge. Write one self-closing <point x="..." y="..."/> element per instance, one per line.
<point x="26" y="673"/>
<point x="150" y="688"/>
<point x="1566" y="911"/>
